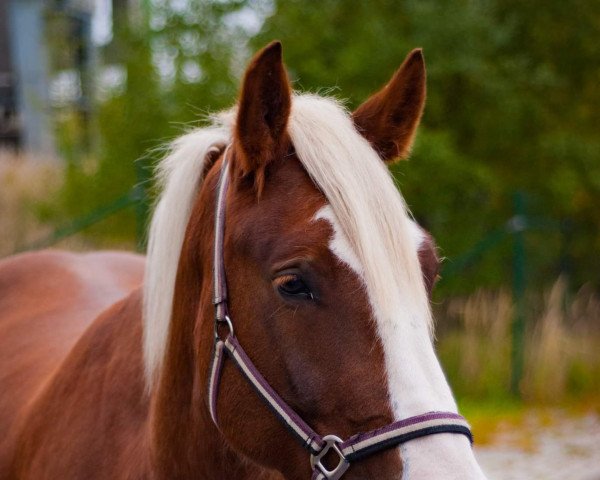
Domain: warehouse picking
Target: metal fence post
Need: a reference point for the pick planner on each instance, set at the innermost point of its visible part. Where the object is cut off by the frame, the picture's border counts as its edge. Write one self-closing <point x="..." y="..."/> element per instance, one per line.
<point x="518" y="226"/>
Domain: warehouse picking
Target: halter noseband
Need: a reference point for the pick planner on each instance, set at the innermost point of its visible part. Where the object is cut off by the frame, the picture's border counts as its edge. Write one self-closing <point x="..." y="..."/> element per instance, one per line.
<point x="348" y="451"/>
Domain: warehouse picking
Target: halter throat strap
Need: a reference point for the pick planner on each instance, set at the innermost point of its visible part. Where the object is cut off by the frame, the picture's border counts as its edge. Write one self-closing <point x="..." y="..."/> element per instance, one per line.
<point x="348" y="451"/>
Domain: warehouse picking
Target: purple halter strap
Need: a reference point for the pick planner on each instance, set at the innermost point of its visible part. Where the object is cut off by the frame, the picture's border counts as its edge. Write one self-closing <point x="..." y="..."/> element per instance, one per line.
<point x="348" y="451"/>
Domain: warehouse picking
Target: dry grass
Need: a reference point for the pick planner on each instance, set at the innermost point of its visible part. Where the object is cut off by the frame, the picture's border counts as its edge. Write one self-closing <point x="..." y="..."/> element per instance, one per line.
<point x="30" y="190"/>
<point x="562" y="354"/>
<point x="25" y="182"/>
<point x="563" y="357"/>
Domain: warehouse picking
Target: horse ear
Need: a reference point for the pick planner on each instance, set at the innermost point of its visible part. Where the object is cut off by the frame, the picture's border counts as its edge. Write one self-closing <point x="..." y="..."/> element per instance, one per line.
<point x="263" y="110"/>
<point x="389" y="118"/>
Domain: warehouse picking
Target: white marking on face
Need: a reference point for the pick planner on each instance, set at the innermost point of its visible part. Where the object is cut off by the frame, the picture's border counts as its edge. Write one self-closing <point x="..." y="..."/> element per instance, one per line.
<point x="416" y="383"/>
<point x="339" y="244"/>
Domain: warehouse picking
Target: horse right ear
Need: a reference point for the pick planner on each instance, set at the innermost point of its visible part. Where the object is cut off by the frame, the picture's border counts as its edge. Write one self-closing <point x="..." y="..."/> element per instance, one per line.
<point x="263" y="111"/>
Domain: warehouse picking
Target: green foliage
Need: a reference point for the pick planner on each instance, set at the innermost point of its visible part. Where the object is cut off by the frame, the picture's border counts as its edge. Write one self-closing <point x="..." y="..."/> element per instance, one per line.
<point x="433" y="182"/>
<point x="513" y="104"/>
<point x="176" y="70"/>
<point x="127" y="124"/>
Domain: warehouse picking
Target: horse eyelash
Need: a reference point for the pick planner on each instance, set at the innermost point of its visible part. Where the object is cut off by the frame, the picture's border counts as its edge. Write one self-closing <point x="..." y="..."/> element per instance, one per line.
<point x="284" y="279"/>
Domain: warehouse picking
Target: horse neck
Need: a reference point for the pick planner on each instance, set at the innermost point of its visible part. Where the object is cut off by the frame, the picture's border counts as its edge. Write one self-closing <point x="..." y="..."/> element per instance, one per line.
<point x="185" y="442"/>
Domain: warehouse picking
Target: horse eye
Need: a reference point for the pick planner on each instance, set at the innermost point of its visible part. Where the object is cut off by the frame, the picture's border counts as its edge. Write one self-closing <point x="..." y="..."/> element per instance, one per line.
<point x="292" y="285"/>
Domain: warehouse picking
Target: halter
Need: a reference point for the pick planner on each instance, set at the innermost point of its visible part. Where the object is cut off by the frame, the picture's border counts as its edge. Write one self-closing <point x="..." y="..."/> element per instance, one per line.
<point x="348" y="451"/>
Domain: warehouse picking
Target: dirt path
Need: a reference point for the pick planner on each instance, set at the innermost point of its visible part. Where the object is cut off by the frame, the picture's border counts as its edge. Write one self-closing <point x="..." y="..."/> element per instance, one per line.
<point x="555" y="447"/>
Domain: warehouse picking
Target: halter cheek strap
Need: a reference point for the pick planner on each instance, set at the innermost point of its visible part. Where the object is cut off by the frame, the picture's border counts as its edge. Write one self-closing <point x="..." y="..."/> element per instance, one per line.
<point x="219" y="283"/>
<point x="348" y="451"/>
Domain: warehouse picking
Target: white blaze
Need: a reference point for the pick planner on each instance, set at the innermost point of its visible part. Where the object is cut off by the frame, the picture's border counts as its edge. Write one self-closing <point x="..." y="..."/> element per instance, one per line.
<point x="416" y="382"/>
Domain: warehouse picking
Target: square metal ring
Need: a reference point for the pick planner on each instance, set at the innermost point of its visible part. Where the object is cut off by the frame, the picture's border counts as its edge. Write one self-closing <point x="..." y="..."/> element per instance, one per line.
<point x="331" y="443"/>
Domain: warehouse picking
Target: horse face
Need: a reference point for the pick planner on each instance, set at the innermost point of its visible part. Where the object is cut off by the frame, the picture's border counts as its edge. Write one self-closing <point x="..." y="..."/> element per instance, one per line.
<point x="302" y="313"/>
<point x="343" y="351"/>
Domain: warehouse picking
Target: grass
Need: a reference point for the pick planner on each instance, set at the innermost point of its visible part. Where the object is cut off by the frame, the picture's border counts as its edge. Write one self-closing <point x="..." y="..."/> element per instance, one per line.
<point x="489" y="416"/>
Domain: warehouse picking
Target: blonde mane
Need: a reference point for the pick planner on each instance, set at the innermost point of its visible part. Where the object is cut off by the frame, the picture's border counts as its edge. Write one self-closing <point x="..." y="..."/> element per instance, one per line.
<point x="359" y="188"/>
<point x="179" y="176"/>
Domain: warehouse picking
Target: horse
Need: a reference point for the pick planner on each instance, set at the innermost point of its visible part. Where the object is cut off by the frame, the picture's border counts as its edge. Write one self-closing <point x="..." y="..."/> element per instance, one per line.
<point x="279" y="327"/>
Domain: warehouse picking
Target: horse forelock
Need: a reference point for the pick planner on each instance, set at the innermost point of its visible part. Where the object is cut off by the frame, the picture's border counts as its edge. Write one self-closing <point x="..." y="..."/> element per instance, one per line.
<point x="365" y="201"/>
<point x="359" y="190"/>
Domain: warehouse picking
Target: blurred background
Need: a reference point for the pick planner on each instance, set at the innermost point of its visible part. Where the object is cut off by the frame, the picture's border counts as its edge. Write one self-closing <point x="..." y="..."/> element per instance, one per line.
<point x="505" y="172"/>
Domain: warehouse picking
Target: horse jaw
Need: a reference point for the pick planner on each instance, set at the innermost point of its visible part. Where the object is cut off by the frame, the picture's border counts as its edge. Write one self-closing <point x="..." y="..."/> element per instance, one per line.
<point x="416" y="382"/>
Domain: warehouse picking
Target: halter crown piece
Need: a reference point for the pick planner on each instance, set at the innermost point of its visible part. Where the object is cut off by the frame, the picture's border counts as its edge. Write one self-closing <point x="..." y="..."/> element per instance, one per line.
<point x="348" y="451"/>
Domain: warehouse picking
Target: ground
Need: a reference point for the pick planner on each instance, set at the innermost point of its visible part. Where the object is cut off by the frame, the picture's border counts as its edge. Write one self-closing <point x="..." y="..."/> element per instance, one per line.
<point x="549" y="446"/>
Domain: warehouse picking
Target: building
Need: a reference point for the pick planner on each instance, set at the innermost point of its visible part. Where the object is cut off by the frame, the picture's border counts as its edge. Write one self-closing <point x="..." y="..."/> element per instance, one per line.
<point x="31" y="61"/>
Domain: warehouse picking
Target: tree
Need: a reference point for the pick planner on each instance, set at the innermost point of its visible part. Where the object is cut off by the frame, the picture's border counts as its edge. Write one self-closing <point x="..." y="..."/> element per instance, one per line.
<point x="511" y="103"/>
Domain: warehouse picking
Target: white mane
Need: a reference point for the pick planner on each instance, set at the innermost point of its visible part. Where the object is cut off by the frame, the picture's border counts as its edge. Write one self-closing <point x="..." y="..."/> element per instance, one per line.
<point x="360" y="191"/>
<point x="368" y="206"/>
<point x="180" y="176"/>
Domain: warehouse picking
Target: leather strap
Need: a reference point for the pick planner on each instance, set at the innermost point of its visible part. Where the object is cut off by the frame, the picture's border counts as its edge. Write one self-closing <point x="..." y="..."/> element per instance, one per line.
<point x="351" y="450"/>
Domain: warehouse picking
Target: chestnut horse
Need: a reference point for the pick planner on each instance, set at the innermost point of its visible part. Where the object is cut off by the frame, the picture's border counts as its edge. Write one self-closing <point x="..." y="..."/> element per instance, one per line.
<point x="327" y="289"/>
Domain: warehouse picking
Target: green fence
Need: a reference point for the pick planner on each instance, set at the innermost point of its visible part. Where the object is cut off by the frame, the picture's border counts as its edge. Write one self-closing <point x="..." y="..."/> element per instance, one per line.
<point x="512" y="230"/>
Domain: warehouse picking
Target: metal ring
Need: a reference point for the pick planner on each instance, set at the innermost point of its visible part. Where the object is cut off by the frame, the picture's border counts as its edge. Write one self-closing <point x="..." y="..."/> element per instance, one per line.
<point x="331" y="442"/>
<point x="220" y="321"/>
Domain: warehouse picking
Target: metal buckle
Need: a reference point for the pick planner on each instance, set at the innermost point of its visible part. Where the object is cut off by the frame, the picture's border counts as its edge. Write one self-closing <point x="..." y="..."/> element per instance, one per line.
<point x="331" y="442"/>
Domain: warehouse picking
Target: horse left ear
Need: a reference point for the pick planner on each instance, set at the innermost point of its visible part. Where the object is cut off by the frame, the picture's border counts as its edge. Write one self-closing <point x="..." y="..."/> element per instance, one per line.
<point x="264" y="108"/>
<point x="389" y="119"/>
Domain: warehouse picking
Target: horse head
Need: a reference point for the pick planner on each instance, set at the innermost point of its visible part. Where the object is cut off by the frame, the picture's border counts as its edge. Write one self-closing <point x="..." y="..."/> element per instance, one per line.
<point x="327" y="282"/>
